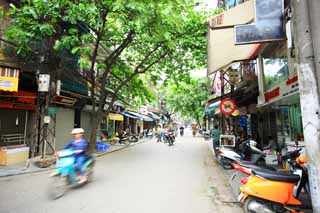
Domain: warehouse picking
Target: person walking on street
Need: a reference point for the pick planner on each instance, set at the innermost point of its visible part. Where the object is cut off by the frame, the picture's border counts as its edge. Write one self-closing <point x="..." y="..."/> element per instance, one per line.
<point x="215" y="138"/>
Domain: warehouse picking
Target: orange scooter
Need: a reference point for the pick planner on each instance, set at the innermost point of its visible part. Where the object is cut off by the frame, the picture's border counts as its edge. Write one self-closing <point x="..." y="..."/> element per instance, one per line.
<point x="268" y="191"/>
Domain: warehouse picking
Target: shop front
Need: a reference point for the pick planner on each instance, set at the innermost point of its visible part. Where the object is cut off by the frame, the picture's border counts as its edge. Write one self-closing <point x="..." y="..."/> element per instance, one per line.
<point x="17" y="108"/>
<point x="279" y="100"/>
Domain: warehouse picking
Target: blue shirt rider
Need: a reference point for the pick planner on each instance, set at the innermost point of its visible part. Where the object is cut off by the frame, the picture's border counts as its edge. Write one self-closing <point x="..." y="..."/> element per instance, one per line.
<point x="79" y="144"/>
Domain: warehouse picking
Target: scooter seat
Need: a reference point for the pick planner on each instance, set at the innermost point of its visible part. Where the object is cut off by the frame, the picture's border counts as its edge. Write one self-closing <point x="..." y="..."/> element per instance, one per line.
<point x="276" y="175"/>
<point x="250" y="165"/>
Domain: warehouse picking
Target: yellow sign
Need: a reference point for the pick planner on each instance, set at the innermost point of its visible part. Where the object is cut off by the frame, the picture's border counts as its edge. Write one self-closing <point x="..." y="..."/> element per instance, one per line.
<point x="236" y="113"/>
<point x="9" y="79"/>
<point x="115" y="117"/>
<point x="9" y="84"/>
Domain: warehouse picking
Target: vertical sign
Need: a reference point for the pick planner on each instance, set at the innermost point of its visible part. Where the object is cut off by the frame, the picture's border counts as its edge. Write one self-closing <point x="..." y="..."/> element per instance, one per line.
<point x="268" y="26"/>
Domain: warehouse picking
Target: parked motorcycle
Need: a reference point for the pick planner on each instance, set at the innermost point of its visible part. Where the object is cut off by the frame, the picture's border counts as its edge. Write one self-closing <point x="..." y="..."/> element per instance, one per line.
<point x="65" y="175"/>
<point x="207" y="135"/>
<point x="150" y="134"/>
<point x="274" y="191"/>
<point x="247" y="150"/>
<point x="122" y="139"/>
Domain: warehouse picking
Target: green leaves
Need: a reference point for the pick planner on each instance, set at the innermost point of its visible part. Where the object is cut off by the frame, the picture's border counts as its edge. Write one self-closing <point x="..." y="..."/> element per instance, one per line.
<point x="187" y="98"/>
<point x="1" y="12"/>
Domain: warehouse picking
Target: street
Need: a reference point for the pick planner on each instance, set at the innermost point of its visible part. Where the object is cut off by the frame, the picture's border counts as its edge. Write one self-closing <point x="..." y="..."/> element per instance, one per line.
<point x="148" y="177"/>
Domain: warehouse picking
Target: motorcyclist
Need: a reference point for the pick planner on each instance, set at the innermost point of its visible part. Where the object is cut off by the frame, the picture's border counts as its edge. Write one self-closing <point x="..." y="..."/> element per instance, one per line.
<point x="181" y="130"/>
<point x="80" y="145"/>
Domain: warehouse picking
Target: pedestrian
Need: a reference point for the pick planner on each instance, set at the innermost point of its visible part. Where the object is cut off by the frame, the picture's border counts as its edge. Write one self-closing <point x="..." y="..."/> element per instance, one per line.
<point x="215" y="139"/>
<point x="159" y="133"/>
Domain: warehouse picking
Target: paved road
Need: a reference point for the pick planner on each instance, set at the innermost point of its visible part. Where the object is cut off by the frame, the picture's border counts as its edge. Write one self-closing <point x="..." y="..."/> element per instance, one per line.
<point x="149" y="177"/>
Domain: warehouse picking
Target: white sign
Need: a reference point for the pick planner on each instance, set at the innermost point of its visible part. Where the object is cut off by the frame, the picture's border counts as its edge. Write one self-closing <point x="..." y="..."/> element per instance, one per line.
<point x="44" y="82"/>
<point x="284" y="89"/>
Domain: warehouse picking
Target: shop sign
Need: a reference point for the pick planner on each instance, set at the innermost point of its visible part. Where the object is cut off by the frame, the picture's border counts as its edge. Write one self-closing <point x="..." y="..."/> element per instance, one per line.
<point x="67" y="101"/>
<point x="272" y="94"/>
<point x="218" y="20"/>
<point x="17" y="100"/>
<point x="9" y="79"/>
<point x="284" y="89"/>
<point x="52" y="110"/>
<point x="268" y="26"/>
<point x="115" y="117"/>
<point x="292" y="80"/>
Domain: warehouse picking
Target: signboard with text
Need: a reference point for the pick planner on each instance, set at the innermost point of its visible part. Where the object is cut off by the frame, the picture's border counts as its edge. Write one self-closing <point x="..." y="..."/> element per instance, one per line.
<point x="283" y="90"/>
<point x="268" y="24"/>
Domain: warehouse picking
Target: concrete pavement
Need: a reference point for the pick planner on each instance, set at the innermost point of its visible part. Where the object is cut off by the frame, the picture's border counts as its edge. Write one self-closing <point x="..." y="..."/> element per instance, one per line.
<point x="149" y="177"/>
<point x="31" y="167"/>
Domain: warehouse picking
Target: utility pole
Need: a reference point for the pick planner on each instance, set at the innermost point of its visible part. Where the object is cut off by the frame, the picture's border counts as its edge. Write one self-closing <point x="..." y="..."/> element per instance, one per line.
<point x="304" y="31"/>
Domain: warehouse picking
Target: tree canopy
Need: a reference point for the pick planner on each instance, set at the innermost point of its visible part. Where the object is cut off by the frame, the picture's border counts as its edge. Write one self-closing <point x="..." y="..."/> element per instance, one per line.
<point x="187" y="98"/>
<point x="116" y="41"/>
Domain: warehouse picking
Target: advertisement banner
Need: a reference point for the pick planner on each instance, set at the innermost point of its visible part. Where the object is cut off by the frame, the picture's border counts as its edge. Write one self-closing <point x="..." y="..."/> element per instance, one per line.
<point x="268" y="24"/>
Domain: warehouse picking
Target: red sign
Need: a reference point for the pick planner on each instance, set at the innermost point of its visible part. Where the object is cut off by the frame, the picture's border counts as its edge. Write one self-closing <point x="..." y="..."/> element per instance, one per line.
<point x="227" y="106"/>
<point x="272" y="94"/>
<point x="67" y="101"/>
<point x="292" y="80"/>
<point x="18" y="100"/>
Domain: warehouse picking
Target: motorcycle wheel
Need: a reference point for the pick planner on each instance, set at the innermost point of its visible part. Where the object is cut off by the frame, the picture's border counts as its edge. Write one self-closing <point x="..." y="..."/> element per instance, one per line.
<point x="225" y="163"/>
<point x="251" y="200"/>
<point x="58" y="187"/>
<point x="126" y="142"/>
<point x="133" y="139"/>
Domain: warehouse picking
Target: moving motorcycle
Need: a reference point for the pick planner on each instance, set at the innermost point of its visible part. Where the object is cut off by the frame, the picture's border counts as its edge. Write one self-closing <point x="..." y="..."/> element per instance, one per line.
<point x="65" y="175"/>
<point x="246" y="150"/>
<point x="169" y="137"/>
<point x="275" y="191"/>
<point x="181" y="131"/>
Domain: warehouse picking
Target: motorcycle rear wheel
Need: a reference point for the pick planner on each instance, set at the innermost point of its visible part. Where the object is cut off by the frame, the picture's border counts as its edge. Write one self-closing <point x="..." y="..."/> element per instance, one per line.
<point x="58" y="187"/>
<point x="251" y="200"/>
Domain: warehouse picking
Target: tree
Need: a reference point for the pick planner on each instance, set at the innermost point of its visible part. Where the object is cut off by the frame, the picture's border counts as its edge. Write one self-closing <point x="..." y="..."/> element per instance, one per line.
<point x="135" y="37"/>
<point x="187" y="98"/>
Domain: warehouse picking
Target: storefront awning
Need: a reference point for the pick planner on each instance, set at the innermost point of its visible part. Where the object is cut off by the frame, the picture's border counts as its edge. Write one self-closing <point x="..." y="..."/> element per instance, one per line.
<point x="213" y="106"/>
<point x="129" y="115"/>
<point x="154" y="116"/>
<point x="115" y="117"/>
<point x="221" y="37"/>
<point x="140" y="116"/>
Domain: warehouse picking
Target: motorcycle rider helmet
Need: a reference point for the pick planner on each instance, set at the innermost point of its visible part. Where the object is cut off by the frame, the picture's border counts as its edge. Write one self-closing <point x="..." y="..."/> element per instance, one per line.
<point x="77" y="131"/>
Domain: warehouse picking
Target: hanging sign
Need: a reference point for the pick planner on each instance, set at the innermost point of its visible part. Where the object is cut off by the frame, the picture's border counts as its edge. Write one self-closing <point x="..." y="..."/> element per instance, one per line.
<point x="268" y="26"/>
<point x="66" y="101"/>
<point x="227" y="106"/>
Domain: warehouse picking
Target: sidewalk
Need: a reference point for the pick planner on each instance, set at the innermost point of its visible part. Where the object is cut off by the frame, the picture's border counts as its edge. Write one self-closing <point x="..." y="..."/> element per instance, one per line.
<point x="30" y="165"/>
<point x="233" y="176"/>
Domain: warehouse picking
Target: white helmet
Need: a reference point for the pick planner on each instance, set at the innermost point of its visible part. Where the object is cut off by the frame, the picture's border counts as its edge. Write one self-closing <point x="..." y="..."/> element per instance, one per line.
<point x="77" y="131"/>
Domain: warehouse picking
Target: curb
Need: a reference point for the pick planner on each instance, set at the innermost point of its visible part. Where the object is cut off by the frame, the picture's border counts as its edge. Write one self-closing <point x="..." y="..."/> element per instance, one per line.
<point x="38" y="170"/>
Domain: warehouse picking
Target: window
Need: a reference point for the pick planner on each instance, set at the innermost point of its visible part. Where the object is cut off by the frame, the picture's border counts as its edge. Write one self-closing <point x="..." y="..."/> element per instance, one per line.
<point x="275" y="65"/>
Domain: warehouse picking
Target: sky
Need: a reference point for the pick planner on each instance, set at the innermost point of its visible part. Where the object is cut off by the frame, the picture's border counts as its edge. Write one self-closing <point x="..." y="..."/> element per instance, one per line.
<point x="207" y="4"/>
<point x="210" y="4"/>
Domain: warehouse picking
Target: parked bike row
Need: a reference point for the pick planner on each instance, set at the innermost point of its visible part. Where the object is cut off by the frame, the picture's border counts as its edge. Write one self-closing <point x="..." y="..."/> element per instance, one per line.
<point x="266" y="188"/>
